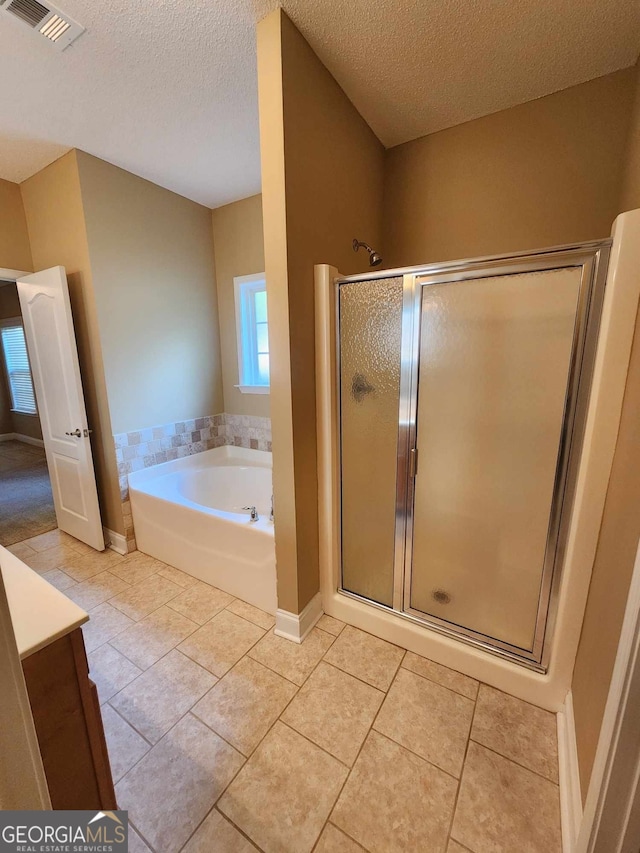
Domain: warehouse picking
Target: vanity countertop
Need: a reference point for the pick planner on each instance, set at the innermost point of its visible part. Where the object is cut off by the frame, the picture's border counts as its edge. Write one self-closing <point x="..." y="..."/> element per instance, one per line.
<point x="40" y="613"/>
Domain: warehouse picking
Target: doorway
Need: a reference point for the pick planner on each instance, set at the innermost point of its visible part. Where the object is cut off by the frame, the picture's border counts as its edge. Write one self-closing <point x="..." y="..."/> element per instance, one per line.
<point x="26" y="499"/>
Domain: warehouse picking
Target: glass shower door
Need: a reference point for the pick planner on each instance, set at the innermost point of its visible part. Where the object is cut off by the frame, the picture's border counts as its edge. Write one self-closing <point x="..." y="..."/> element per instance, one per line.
<point x="494" y="365"/>
<point x="370" y="323"/>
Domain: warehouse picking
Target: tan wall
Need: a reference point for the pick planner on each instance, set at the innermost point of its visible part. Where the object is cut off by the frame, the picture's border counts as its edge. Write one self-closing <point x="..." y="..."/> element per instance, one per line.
<point x="630" y="197"/>
<point x="9" y="302"/>
<point x="310" y="133"/>
<point x="55" y="219"/>
<point x="540" y="174"/>
<point x="6" y="424"/>
<point x="154" y="284"/>
<point x="238" y="244"/>
<point x="28" y="425"/>
<point x="15" y="252"/>
<point x="620" y="529"/>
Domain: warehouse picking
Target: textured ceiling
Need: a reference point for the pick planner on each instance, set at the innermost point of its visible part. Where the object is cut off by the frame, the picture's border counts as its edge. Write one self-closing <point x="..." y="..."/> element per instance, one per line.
<point x="164" y="88"/>
<point x="167" y="89"/>
<point x="413" y="67"/>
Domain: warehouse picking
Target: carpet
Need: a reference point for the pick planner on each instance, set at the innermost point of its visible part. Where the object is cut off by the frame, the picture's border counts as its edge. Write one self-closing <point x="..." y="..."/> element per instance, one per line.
<point x="26" y="500"/>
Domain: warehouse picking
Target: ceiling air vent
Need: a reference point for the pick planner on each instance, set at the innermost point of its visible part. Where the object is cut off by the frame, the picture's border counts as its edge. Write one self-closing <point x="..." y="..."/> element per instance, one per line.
<point x="45" y="19"/>
<point x="28" y="11"/>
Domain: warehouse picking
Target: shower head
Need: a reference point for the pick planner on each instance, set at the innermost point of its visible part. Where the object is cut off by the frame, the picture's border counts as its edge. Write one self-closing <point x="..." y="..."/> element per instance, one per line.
<point x="374" y="258"/>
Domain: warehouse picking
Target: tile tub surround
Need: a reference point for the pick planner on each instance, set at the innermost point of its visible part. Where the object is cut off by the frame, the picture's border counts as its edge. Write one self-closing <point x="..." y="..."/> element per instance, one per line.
<point x="225" y="737"/>
<point x="144" y="448"/>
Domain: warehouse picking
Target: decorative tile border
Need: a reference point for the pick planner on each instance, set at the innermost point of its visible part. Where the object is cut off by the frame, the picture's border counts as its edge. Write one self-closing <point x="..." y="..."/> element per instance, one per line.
<point x="154" y="445"/>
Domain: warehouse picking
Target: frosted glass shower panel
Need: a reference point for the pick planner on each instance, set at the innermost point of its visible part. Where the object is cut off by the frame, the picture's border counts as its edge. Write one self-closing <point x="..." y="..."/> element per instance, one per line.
<point x="370" y="339"/>
<point x="494" y="364"/>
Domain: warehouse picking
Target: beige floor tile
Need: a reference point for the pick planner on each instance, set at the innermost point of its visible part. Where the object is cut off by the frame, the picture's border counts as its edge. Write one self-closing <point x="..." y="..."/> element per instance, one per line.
<point x="217" y="835"/>
<point x="57" y="557"/>
<point x="221" y="642"/>
<point x="21" y="550"/>
<point x="146" y="641"/>
<point x="124" y="744"/>
<point x="244" y="705"/>
<point x="105" y="622"/>
<point x="517" y="730"/>
<point x="82" y="547"/>
<point x="160" y="696"/>
<point x="454" y="847"/>
<point x="330" y="625"/>
<point x="252" y="614"/>
<point x="504" y="807"/>
<point x="137" y="567"/>
<point x="455" y="681"/>
<point x="201" y="602"/>
<point x="283" y="795"/>
<point x="295" y="661"/>
<point x="81" y="567"/>
<point x="181" y="578"/>
<point x="58" y="578"/>
<point x="143" y="598"/>
<point x="368" y="658"/>
<point x="333" y="840"/>
<point x="174" y="786"/>
<point x="49" y="540"/>
<point x="96" y="590"/>
<point x="428" y="719"/>
<point x="334" y="710"/>
<point x="136" y="844"/>
<point x="110" y="671"/>
<point x="395" y="801"/>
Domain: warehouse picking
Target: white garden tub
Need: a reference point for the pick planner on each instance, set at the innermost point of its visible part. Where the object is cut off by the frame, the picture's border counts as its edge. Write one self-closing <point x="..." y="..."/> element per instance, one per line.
<point x="188" y="513"/>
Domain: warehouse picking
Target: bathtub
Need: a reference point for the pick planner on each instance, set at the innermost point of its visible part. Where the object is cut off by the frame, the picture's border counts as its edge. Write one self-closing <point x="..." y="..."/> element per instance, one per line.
<point x="188" y="513"/>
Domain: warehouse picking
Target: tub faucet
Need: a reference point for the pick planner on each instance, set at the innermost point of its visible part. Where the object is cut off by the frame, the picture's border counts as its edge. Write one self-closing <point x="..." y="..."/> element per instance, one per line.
<point x="254" y="513"/>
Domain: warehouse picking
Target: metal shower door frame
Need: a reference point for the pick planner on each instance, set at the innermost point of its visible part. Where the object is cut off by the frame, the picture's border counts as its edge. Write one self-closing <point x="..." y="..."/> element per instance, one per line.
<point x="592" y="258"/>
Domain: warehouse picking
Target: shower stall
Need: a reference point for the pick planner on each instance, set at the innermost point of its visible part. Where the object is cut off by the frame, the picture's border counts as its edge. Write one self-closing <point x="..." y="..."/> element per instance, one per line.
<point x="452" y="406"/>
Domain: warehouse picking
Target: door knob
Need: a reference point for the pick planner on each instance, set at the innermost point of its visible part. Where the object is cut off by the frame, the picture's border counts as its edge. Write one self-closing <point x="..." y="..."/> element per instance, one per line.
<point x="76" y="432"/>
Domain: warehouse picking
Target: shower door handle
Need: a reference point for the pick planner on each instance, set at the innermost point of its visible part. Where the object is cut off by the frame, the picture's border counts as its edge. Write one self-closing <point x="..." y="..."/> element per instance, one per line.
<point x="413" y="461"/>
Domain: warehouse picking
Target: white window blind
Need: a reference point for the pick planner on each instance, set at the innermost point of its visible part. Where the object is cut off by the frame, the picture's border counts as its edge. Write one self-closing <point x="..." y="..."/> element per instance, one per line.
<point x="18" y="370"/>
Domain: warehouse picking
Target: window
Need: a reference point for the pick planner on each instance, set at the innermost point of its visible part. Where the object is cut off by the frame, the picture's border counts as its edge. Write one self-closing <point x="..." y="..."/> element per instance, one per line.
<point x="253" y="333"/>
<point x="16" y="361"/>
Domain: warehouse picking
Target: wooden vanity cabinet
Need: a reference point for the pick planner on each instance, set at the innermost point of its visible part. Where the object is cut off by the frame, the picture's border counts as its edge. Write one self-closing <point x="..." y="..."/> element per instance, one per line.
<point x="68" y="722"/>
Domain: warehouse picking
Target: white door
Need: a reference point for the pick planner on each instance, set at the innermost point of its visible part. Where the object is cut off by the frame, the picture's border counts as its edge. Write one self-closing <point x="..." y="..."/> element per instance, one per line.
<point x="48" y="326"/>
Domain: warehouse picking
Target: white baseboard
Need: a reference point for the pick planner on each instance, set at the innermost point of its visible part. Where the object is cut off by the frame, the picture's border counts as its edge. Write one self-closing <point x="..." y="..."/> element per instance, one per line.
<point x="296" y="626"/>
<point x="570" y="793"/>
<point x="26" y="439"/>
<point x="115" y="541"/>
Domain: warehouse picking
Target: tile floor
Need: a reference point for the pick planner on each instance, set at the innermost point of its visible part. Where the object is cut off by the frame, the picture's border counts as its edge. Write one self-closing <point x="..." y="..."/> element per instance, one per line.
<point x="227" y="739"/>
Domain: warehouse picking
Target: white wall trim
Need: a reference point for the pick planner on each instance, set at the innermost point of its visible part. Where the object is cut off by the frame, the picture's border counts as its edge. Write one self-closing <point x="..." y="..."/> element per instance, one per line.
<point x="296" y="626"/>
<point x="11" y="275"/>
<point x="570" y="792"/>
<point x="26" y="439"/>
<point x="115" y="541"/>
